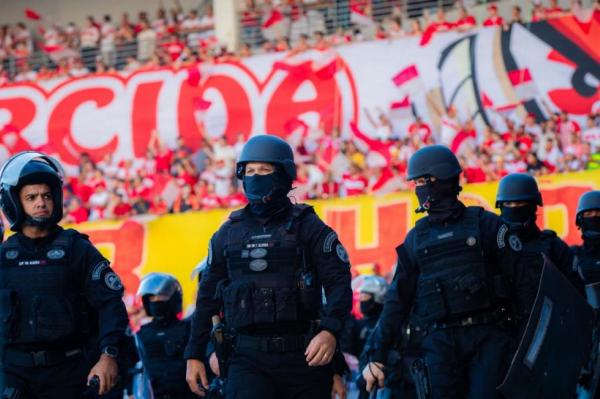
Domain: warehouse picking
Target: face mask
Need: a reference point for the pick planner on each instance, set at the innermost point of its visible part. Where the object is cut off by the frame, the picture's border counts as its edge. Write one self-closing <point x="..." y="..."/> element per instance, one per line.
<point x="520" y="217"/>
<point x="439" y="198"/>
<point x="259" y="188"/>
<point x="370" y="308"/>
<point x="160" y="309"/>
<point x="590" y="228"/>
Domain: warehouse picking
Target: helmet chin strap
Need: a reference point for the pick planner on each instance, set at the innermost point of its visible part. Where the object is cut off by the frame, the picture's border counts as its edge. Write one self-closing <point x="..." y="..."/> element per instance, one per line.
<point x="41" y="222"/>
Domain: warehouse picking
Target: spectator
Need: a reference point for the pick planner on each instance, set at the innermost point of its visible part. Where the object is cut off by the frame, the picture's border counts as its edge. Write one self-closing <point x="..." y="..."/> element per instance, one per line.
<point x="591" y="134"/>
<point x="75" y="213"/>
<point x="118" y="207"/>
<point x="353" y="182"/>
<point x="107" y="41"/>
<point x="146" y="41"/>
<point x="493" y="18"/>
<point x="465" y="21"/>
<point x="515" y="16"/>
<point x="90" y="36"/>
<point x="185" y="200"/>
<point x="554" y="10"/>
<point x="395" y="30"/>
<point x="415" y="28"/>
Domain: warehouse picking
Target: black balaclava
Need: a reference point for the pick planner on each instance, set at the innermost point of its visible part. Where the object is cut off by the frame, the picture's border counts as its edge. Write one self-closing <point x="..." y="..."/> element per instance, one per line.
<point x="590" y="232"/>
<point x="370" y="308"/>
<point x="520" y="218"/>
<point x="267" y="194"/>
<point x="162" y="311"/>
<point x="439" y="199"/>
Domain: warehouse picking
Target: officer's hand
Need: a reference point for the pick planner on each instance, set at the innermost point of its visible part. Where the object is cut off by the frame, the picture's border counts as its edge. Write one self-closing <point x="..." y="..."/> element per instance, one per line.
<point x="338" y="390"/>
<point x="373" y="374"/>
<point x="213" y="362"/>
<point x="320" y="350"/>
<point x="196" y="371"/>
<point x="107" y="371"/>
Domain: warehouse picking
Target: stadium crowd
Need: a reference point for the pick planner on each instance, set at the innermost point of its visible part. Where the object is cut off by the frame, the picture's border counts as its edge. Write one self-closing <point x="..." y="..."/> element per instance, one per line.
<point x="44" y="50"/>
<point x="178" y="179"/>
<point x="330" y="164"/>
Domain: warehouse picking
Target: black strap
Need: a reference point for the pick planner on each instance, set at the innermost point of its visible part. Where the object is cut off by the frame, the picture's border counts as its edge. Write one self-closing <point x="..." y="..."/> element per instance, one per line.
<point x="39" y="358"/>
<point x="292" y="343"/>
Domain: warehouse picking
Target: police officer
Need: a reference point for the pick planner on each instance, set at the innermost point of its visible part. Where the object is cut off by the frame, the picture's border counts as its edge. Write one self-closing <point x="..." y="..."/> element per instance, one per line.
<point x="161" y="342"/>
<point x="269" y="264"/>
<point x="448" y="276"/>
<point x="518" y="198"/>
<point x="372" y="291"/>
<point x="588" y="254"/>
<point x="57" y="291"/>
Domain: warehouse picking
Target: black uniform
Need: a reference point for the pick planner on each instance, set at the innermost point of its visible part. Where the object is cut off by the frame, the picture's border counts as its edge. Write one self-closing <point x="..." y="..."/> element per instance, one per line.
<point x="57" y="292"/>
<point x="451" y="277"/>
<point x="267" y="274"/>
<point x="528" y="248"/>
<point x="161" y="344"/>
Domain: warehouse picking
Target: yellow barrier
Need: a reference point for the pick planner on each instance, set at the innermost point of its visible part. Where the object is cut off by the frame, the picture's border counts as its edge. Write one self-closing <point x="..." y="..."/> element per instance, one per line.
<point x="369" y="227"/>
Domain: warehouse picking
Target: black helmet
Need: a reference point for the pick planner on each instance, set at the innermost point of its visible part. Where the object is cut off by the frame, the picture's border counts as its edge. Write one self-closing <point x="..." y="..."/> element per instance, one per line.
<point x="26" y="168"/>
<point x="267" y="148"/>
<point x="518" y="187"/>
<point x="587" y="202"/>
<point x="434" y="160"/>
<point x="161" y="284"/>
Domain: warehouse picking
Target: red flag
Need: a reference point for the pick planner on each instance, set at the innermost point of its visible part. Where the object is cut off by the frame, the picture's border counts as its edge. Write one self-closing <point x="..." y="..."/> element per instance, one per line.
<point x="486" y="101"/>
<point x="376" y="148"/>
<point x="461" y="138"/>
<point x="273" y="19"/>
<point x="359" y="17"/>
<point x="406" y="75"/>
<point x="506" y="110"/>
<point x="400" y="109"/>
<point x="32" y="14"/>
<point x="523" y="83"/>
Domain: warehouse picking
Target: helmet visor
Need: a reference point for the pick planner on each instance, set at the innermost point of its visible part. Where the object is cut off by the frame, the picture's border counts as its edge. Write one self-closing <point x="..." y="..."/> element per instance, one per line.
<point x="158" y="284"/>
<point x="11" y="170"/>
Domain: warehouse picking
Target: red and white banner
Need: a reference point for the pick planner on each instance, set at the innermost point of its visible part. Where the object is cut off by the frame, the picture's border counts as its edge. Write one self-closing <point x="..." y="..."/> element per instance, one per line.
<point x="484" y="75"/>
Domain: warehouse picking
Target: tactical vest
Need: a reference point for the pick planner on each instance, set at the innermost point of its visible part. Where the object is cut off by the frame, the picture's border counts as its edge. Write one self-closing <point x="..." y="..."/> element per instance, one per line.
<point x="528" y="270"/>
<point x="267" y="269"/>
<point x="453" y="280"/>
<point x="161" y="352"/>
<point x="42" y="301"/>
<point x="588" y="265"/>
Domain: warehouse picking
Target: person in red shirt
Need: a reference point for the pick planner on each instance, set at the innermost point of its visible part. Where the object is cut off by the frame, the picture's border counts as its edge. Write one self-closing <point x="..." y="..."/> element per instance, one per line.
<point x="493" y="18"/>
<point x="158" y="206"/>
<point x="120" y="208"/>
<point x="353" y="183"/>
<point x="174" y="47"/>
<point x="554" y="10"/>
<point x="76" y="213"/>
<point x="440" y="24"/>
<point x="465" y="21"/>
<point x="421" y="129"/>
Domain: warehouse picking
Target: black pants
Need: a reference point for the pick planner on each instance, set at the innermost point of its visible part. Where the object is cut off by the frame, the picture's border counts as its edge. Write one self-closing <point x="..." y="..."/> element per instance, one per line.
<point x="255" y="374"/>
<point x="65" y="380"/>
<point x="467" y="362"/>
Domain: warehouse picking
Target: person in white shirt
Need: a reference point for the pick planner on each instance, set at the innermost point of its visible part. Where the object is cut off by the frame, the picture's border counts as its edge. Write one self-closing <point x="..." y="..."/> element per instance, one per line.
<point x="107" y="41"/>
<point x="146" y="42"/>
<point x="591" y="134"/>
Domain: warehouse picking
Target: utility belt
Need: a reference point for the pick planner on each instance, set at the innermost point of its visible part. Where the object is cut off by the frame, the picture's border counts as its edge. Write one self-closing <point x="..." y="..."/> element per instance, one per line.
<point x="280" y="344"/>
<point x="39" y="358"/>
<point x="498" y="316"/>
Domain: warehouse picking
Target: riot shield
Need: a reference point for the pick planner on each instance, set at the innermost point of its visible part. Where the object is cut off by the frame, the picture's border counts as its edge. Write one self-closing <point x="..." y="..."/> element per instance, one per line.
<point x="556" y="342"/>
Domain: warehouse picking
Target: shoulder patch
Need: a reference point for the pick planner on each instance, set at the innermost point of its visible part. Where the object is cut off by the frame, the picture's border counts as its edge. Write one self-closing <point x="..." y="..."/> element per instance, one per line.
<point x="328" y="243"/>
<point x="500" y="236"/>
<point x="515" y="243"/>
<point x="342" y="253"/>
<point x="98" y="269"/>
<point x="11" y="254"/>
<point x="113" y="281"/>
